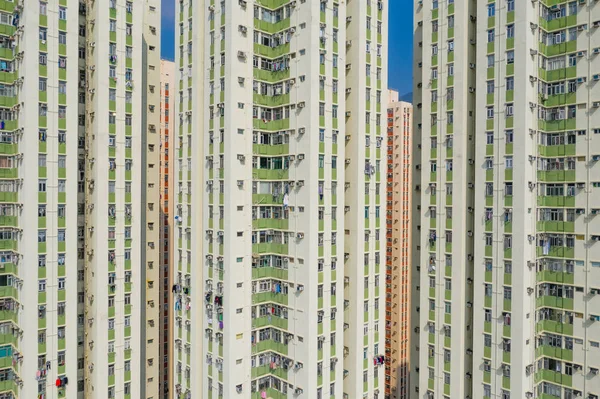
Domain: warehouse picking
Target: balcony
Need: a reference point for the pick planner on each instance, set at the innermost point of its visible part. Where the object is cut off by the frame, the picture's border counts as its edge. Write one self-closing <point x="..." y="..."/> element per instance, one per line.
<point x="270" y="321"/>
<point x="554" y="377"/>
<point x="277" y="224"/>
<point x="281" y="299"/>
<point x="551" y="226"/>
<point x="555" y="302"/>
<point x="271" y="174"/>
<point x="555" y="277"/>
<point x="270" y="345"/>
<point x="556" y="175"/>
<point x="554" y="327"/>
<point x="556" y="201"/>
<point x="551" y="351"/>
<point x="271" y="150"/>
<point x="272" y="52"/>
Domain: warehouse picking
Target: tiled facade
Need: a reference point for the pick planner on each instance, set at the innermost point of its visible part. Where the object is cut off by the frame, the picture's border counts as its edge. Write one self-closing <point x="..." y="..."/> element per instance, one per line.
<point x="398" y="246"/>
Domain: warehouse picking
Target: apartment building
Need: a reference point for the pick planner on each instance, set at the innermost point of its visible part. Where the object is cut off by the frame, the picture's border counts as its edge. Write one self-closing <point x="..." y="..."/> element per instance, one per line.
<point x="167" y="104"/>
<point x="398" y="246"/>
<point x="444" y="146"/>
<point x="78" y="334"/>
<point x="277" y="273"/>
<point x="527" y="196"/>
<point x="152" y="312"/>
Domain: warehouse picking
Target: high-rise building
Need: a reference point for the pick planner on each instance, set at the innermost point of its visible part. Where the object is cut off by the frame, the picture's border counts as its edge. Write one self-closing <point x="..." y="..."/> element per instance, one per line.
<point x="74" y="324"/>
<point x="444" y="169"/>
<point x="278" y="276"/>
<point x="508" y="303"/>
<point x="167" y="102"/>
<point x="398" y="246"/>
<point x="151" y="251"/>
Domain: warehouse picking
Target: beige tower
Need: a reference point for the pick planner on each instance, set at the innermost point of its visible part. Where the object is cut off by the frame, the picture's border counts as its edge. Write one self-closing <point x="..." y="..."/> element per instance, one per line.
<point x="398" y="246"/>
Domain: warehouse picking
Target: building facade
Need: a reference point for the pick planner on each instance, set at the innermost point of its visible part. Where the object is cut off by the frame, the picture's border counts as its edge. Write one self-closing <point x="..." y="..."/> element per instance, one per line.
<point x="152" y="386"/>
<point x="72" y="326"/>
<point x="444" y="171"/>
<point x="277" y="258"/>
<point x="167" y="105"/>
<point x="398" y="246"/>
<point x="526" y="181"/>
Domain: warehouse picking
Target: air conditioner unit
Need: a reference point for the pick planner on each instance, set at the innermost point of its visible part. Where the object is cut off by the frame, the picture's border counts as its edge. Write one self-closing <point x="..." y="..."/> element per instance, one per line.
<point x="300" y="157"/>
<point x="243" y="29"/>
<point x="300" y="235"/>
<point x="241" y="55"/>
<point x="241" y="158"/>
<point x="597" y="50"/>
<point x="292" y="30"/>
<point x="301" y="104"/>
<point x="302" y="130"/>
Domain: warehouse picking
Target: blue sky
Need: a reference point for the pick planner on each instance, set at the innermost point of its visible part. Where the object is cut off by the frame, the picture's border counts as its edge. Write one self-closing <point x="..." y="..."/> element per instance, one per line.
<point x="400" y="33"/>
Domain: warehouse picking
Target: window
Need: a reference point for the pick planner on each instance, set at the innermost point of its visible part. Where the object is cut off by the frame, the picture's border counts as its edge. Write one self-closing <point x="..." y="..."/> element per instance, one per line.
<point x="510" y="83"/>
<point x="510" y="57"/>
<point x="510" y="31"/>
